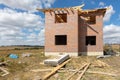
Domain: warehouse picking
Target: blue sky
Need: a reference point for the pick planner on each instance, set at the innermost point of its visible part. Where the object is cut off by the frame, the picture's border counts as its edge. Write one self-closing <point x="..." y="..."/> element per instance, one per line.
<point x="22" y="24"/>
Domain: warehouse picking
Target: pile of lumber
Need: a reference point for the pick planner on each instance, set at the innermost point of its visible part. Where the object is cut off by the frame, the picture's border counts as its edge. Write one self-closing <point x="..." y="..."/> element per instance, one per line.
<point x="81" y="71"/>
<point x="85" y="67"/>
<point x="2" y="69"/>
<point x="3" y="63"/>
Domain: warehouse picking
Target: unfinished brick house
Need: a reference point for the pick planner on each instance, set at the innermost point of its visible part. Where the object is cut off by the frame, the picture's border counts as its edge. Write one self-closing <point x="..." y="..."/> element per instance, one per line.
<point x="73" y="31"/>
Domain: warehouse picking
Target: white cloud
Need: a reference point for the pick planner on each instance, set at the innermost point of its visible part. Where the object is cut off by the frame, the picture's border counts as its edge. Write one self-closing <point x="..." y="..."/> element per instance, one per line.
<point x="112" y="33"/>
<point x="15" y="26"/>
<point x="101" y="4"/>
<point x="22" y="28"/>
<point x="109" y="13"/>
<point x="19" y="19"/>
<point x="29" y="5"/>
<point x="47" y="3"/>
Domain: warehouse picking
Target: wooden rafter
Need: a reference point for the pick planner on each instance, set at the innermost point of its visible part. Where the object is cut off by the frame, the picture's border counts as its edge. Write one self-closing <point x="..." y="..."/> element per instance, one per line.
<point x="79" y="8"/>
<point x="95" y="10"/>
<point x="57" y="9"/>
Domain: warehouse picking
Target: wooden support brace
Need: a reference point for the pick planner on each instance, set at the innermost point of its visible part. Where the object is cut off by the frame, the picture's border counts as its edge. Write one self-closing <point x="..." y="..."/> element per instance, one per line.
<point x="60" y="18"/>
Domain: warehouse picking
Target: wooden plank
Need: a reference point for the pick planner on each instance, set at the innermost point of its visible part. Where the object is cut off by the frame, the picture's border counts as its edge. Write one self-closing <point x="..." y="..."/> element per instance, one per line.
<point x="80" y="76"/>
<point x="45" y="70"/>
<point x="91" y="72"/>
<point x="71" y="70"/>
<point x="40" y="70"/>
<point x="55" y="69"/>
<point x="79" y="6"/>
<point x="103" y="73"/>
<point x="4" y="63"/>
<point x="5" y="71"/>
<point x="76" y="72"/>
<point x="54" y="9"/>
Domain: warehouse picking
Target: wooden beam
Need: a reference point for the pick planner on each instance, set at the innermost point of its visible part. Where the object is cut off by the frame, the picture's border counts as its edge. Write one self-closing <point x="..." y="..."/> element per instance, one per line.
<point x="103" y="73"/>
<point x="54" y="9"/>
<point x="80" y="76"/>
<point x="78" y="7"/>
<point x="4" y="63"/>
<point x="85" y="18"/>
<point x="55" y="69"/>
<point x="92" y="72"/>
<point x="67" y="11"/>
<point x="40" y="70"/>
<point x="72" y="70"/>
<point x="5" y="71"/>
<point x="76" y="72"/>
<point x="60" y="18"/>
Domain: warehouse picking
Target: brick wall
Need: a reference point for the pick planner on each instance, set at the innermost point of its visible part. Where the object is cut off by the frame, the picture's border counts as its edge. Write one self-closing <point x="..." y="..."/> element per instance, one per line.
<point x="76" y="30"/>
<point x="86" y="29"/>
<point x="70" y="29"/>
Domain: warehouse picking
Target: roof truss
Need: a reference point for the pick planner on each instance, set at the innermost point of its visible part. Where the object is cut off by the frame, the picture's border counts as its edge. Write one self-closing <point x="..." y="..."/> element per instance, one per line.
<point x="78" y="8"/>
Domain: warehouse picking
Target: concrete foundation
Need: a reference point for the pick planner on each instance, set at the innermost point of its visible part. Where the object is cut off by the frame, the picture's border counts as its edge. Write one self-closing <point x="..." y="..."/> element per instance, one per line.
<point x="73" y="53"/>
<point x="91" y="53"/>
<point x="61" y="53"/>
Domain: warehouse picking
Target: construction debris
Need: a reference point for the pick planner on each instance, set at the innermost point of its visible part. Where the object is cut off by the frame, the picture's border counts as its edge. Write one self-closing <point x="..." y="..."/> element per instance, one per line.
<point x="5" y="71"/>
<point x="13" y="56"/>
<point x="103" y="73"/>
<point x="58" y="60"/>
<point x="26" y="55"/>
<point x="76" y="72"/>
<point x="118" y="54"/>
<point x="99" y="64"/>
<point x="91" y="72"/>
<point x="103" y="56"/>
<point x="55" y="69"/>
<point x="3" y="63"/>
<point x="85" y="69"/>
<point x="40" y="70"/>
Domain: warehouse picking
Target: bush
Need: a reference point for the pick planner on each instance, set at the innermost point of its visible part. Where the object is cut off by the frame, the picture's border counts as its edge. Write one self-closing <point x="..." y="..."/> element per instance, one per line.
<point x="2" y="59"/>
<point x="17" y="49"/>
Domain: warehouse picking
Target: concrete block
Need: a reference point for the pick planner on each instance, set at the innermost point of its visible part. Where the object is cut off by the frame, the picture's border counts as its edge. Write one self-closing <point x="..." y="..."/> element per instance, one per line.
<point x="58" y="60"/>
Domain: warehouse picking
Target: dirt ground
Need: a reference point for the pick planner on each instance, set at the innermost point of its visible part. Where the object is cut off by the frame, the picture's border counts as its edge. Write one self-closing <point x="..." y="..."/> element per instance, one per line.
<point x="20" y="69"/>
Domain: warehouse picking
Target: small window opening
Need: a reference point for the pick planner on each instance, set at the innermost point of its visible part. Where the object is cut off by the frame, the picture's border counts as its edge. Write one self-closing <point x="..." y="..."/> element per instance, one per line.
<point x="60" y="18"/>
<point x="60" y="40"/>
<point x="90" y="40"/>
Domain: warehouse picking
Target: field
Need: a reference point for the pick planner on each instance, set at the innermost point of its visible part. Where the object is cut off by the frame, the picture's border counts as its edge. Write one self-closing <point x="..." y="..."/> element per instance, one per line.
<point x="115" y="47"/>
<point x="20" y="69"/>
